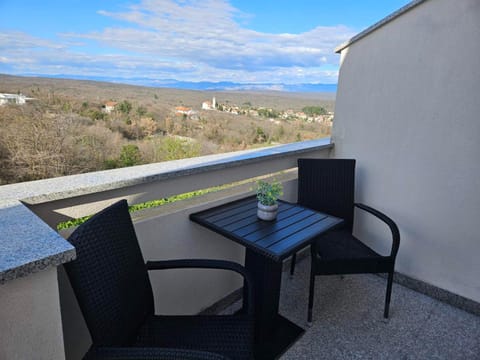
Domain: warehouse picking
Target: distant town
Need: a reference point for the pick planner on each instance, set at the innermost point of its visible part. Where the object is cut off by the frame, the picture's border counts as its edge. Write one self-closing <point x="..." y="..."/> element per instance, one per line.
<point x="308" y="114"/>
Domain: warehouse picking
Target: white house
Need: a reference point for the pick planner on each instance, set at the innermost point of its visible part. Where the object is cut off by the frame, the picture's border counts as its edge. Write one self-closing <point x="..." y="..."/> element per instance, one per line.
<point x="109" y="106"/>
<point x="209" y="105"/>
<point x="18" y="99"/>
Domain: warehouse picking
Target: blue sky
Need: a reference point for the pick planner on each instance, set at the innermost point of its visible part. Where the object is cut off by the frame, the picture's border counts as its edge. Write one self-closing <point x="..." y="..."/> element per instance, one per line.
<point x="244" y="41"/>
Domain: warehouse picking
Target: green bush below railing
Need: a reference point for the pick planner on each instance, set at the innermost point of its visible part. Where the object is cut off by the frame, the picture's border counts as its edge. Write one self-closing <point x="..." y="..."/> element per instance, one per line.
<point x="174" y="198"/>
<point x="147" y="205"/>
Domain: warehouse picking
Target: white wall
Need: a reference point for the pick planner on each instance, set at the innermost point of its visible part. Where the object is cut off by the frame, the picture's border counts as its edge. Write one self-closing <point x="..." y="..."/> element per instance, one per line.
<point x="408" y="109"/>
<point x="31" y="326"/>
<point x="174" y="236"/>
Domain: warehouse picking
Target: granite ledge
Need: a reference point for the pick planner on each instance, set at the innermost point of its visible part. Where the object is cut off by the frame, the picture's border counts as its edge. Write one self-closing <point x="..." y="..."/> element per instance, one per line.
<point x="28" y="244"/>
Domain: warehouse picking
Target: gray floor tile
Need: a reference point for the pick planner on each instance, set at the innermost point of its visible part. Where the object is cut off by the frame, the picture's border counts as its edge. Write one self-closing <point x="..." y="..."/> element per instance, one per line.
<point x="348" y="321"/>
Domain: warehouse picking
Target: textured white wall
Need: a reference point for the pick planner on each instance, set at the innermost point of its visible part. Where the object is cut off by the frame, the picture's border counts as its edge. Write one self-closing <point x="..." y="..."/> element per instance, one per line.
<point x="31" y="326"/>
<point x="188" y="291"/>
<point x="408" y="109"/>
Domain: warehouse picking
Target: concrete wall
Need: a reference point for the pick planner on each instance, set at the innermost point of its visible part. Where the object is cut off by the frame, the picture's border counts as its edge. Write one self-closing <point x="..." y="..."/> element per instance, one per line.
<point x="31" y="326"/>
<point x="174" y="236"/>
<point x="408" y="110"/>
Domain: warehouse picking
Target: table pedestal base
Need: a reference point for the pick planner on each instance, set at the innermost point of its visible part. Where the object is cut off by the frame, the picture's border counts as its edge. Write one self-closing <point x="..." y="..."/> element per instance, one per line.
<point x="274" y="334"/>
<point x="283" y="335"/>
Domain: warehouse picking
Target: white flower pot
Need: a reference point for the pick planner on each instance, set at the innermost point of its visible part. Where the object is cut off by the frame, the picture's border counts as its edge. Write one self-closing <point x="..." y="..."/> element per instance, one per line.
<point x="267" y="212"/>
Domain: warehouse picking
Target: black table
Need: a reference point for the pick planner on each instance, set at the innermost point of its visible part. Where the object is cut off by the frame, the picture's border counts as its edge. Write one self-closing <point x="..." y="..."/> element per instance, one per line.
<point x="267" y="244"/>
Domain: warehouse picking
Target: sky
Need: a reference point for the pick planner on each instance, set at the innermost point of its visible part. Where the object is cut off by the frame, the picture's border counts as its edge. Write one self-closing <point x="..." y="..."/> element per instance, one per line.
<point x="242" y="41"/>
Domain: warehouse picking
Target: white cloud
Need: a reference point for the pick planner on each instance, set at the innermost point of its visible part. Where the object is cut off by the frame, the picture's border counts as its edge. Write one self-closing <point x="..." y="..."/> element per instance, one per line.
<point x="188" y="40"/>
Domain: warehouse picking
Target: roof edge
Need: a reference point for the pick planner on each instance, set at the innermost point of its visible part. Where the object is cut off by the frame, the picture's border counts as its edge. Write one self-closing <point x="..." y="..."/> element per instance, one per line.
<point x="379" y="24"/>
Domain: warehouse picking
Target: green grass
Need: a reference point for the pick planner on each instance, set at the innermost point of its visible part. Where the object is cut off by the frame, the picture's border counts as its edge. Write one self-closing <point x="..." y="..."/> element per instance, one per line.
<point x="153" y="203"/>
<point x="174" y="198"/>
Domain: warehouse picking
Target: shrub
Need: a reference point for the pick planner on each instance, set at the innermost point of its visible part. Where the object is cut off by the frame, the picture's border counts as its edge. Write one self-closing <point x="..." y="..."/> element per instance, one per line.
<point x="268" y="193"/>
<point x="130" y="156"/>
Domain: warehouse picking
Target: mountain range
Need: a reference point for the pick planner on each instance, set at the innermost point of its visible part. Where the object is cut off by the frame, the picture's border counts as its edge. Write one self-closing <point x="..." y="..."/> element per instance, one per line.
<point x="206" y="85"/>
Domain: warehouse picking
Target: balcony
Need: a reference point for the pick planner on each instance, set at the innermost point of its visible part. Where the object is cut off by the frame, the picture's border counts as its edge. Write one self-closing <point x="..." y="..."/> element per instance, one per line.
<point x="43" y="317"/>
<point x="406" y="108"/>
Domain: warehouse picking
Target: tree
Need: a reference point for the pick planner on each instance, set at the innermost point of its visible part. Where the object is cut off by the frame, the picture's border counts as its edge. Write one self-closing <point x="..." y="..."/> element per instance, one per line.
<point x="130" y="156"/>
<point x="94" y="114"/>
<point x="314" y="110"/>
<point x="268" y="113"/>
<point x="125" y="107"/>
<point x="260" y="135"/>
<point x="141" y="111"/>
<point x="173" y="148"/>
<point x="37" y="146"/>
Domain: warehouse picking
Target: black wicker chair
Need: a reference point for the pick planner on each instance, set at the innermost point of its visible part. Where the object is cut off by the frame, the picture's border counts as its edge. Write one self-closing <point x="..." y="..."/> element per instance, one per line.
<point x="111" y="283"/>
<point x="328" y="185"/>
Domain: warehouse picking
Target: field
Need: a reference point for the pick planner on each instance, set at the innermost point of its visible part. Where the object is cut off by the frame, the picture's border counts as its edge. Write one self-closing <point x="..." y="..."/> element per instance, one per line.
<point x="66" y="130"/>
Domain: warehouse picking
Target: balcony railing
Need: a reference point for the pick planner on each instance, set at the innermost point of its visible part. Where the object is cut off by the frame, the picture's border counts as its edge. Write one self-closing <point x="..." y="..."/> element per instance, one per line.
<point x="30" y="212"/>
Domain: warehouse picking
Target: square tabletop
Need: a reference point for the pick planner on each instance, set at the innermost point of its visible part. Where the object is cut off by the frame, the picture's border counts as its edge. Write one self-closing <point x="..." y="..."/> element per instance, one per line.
<point x="294" y="228"/>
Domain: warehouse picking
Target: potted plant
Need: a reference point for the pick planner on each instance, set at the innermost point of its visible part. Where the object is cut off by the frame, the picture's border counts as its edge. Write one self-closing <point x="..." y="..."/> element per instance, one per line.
<point x="267" y="196"/>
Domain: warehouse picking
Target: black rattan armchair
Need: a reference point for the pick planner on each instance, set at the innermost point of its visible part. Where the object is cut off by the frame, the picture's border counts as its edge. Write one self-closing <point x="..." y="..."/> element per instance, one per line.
<point x="328" y="185"/>
<point x="111" y="283"/>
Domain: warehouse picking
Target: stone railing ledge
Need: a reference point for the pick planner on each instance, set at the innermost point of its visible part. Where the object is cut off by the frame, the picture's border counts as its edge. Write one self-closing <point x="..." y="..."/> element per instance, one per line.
<point x="27" y="244"/>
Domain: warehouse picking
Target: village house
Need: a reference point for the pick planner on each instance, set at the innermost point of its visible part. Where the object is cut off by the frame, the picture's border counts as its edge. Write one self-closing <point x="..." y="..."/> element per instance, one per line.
<point x="301" y="115"/>
<point x="18" y="99"/>
<point x="287" y="114"/>
<point x="325" y="119"/>
<point x="183" y="110"/>
<point x="109" y="106"/>
<point x="209" y="105"/>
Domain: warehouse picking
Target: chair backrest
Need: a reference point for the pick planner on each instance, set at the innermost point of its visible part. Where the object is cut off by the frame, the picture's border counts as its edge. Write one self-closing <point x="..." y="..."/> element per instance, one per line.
<point x="328" y="185"/>
<point x="109" y="276"/>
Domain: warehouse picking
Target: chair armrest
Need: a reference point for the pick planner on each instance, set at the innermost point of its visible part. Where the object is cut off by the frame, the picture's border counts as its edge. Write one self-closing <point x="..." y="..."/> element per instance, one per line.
<point x="132" y="353"/>
<point x="391" y="224"/>
<point x="210" y="264"/>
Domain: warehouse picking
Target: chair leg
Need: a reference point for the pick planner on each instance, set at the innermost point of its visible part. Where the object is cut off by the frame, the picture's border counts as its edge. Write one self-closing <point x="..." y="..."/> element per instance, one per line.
<point x="292" y="265"/>
<point x="388" y="295"/>
<point x="310" y="296"/>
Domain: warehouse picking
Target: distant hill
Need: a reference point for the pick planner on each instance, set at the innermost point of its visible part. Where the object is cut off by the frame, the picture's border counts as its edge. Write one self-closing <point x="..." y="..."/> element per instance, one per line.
<point x="206" y="85"/>
<point x="74" y="132"/>
<point x="229" y="86"/>
<point x="167" y="95"/>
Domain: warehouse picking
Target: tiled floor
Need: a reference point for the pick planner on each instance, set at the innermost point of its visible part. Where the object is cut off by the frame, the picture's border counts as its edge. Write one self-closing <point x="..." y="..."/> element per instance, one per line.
<point x="348" y="321"/>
